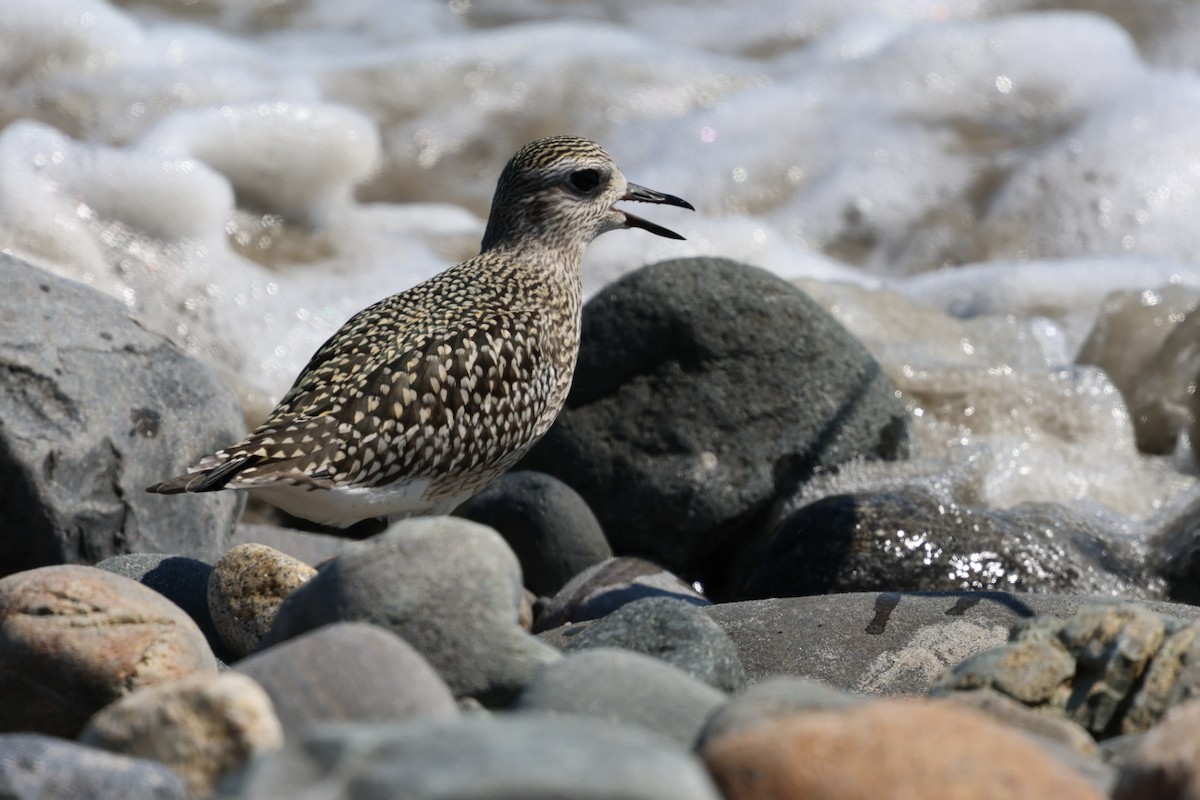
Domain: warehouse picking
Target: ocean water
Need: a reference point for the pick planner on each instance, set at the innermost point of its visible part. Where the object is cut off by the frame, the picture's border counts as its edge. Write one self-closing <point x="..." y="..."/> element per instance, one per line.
<point x="1001" y="198"/>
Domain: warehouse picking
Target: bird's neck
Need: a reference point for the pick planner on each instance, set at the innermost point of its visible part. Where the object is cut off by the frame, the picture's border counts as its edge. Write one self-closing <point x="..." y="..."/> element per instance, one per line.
<point x="549" y="285"/>
<point x="559" y="266"/>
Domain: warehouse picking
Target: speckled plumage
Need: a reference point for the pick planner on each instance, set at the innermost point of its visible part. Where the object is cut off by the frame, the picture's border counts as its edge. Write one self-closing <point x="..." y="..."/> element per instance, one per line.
<point x="420" y="400"/>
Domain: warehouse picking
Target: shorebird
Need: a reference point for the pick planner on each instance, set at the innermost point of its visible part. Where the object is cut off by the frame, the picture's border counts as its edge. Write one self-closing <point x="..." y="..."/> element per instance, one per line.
<point x="422" y="399"/>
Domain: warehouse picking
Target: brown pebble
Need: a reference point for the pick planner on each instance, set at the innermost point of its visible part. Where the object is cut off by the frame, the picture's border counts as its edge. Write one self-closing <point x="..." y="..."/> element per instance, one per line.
<point x="245" y="590"/>
<point x="1048" y="725"/>
<point x="201" y="726"/>
<point x="73" y="639"/>
<point x="889" y="748"/>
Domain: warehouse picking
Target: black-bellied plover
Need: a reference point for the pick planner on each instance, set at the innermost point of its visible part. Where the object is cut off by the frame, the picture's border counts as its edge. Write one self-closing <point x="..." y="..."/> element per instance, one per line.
<point x="422" y="399"/>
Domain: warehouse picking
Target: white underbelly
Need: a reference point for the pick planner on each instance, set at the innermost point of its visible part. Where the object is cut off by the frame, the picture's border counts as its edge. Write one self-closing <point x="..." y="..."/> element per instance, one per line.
<point x="344" y="506"/>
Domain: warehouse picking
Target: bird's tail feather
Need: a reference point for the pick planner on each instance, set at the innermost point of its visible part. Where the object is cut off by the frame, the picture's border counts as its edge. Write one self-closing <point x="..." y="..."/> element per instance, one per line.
<point x="206" y="480"/>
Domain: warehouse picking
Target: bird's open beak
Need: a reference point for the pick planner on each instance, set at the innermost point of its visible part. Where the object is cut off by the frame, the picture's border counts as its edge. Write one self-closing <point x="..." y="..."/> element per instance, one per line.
<point x="641" y="194"/>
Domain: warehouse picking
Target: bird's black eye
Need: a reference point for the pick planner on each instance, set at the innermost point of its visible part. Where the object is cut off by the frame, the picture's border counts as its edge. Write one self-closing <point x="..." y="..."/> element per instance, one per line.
<point x="585" y="179"/>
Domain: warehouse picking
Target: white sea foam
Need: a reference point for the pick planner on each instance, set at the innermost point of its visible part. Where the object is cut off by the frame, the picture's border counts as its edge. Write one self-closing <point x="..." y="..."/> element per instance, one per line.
<point x="300" y="161"/>
<point x="963" y="184"/>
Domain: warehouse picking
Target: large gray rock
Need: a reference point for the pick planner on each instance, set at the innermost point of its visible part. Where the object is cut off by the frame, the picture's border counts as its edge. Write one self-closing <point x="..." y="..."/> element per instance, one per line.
<point x="93" y="408"/>
<point x="885" y="643"/>
<point x="907" y="540"/>
<point x="705" y="390"/>
<point x="348" y="671"/>
<point x="624" y="687"/>
<point x="449" y="587"/>
<point x="36" y="767"/>
<point x="506" y="757"/>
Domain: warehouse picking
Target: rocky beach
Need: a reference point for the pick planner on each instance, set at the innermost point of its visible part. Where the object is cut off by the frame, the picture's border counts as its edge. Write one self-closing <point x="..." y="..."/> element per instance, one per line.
<point x="883" y="484"/>
<point x="631" y="613"/>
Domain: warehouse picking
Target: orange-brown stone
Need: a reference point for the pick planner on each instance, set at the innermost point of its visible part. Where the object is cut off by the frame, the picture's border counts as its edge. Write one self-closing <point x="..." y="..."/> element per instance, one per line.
<point x="891" y="748"/>
<point x="74" y="638"/>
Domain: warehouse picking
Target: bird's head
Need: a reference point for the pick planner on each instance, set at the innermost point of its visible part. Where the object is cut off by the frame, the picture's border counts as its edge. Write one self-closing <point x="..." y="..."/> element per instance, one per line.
<point x="564" y="190"/>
